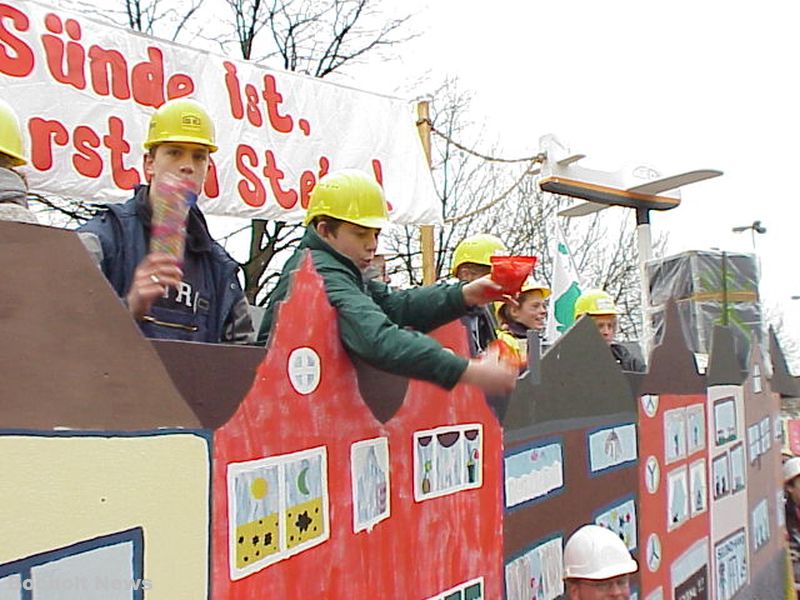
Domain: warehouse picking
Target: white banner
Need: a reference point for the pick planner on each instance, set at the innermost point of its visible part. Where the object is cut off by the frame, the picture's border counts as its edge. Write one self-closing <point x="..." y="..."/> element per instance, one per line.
<point x="84" y="92"/>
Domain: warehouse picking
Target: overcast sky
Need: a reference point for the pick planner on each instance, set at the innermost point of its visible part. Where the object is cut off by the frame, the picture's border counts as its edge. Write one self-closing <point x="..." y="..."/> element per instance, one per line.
<point x="678" y="85"/>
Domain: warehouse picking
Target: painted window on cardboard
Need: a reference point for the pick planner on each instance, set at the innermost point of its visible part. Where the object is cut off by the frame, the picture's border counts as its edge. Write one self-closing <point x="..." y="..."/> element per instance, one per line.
<point x="621" y="519"/>
<point x="698" y="489"/>
<point x="754" y="442"/>
<point x="277" y="507"/>
<point x="730" y="565"/>
<point x="674" y="435"/>
<point x="757" y="385"/>
<point x="677" y="497"/>
<point x="471" y="590"/>
<point x="447" y="460"/>
<point x="656" y="594"/>
<point x="537" y="573"/>
<point x="108" y="567"/>
<point x="737" y="468"/>
<point x="369" y="470"/>
<point x="766" y="435"/>
<point x="760" y="524"/>
<point x="611" y="447"/>
<point x="721" y="476"/>
<point x="533" y="472"/>
<point x="695" y="428"/>
<point x="689" y="573"/>
<point x="725" y="421"/>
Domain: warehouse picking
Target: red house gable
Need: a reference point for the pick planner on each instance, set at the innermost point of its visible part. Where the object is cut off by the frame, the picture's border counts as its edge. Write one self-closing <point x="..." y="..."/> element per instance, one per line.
<point x="315" y="497"/>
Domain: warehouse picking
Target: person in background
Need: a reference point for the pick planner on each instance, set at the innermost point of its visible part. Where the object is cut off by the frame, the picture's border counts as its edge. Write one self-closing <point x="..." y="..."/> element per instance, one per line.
<point x="791" y="488"/>
<point x="13" y="187"/>
<point x="529" y="312"/>
<point x="472" y="261"/>
<point x="201" y="299"/>
<point x="597" y="565"/>
<point x="384" y="327"/>
<point x="601" y="308"/>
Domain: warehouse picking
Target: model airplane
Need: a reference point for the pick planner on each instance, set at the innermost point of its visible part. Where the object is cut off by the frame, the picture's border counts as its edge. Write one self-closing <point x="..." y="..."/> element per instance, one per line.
<point x="635" y="187"/>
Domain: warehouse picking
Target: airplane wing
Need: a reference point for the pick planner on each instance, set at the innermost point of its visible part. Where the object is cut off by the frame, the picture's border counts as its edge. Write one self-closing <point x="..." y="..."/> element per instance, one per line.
<point x="581" y="209"/>
<point x="657" y="186"/>
<point x="570" y="159"/>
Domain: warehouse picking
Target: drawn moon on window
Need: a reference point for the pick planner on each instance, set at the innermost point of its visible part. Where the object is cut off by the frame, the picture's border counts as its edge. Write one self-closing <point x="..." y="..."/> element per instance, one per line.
<point x="302" y="483"/>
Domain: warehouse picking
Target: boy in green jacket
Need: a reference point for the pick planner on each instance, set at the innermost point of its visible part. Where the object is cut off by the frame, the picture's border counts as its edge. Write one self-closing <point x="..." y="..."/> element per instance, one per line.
<point x="345" y="214"/>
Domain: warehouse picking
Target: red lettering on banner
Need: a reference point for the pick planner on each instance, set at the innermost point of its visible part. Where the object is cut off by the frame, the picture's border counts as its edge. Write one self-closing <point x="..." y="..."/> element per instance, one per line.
<point x="127" y="179"/>
<point x="211" y="183"/>
<point x="307" y="180"/>
<point x="57" y="55"/>
<point x="324" y="166"/>
<point x="377" y="169"/>
<point x="253" y="114"/>
<point x="232" y="85"/>
<point x="20" y="62"/>
<point x="88" y="162"/>
<point x="101" y="63"/>
<point x="147" y="79"/>
<point x="179" y="86"/>
<point x="252" y="190"/>
<point x="107" y="68"/>
<point x="42" y="132"/>
<point x="285" y="198"/>
<point x="280" y="123"/>
<point x="307" y="183"/>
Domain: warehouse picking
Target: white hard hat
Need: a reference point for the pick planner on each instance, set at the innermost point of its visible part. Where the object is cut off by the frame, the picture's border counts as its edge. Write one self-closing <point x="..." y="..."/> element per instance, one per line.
<point x="594" y="552"/>
<point x="791" y="469"/>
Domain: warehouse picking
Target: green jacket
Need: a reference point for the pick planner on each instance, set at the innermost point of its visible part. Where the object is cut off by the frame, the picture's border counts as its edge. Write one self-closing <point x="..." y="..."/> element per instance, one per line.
<point x="373" y="318"/>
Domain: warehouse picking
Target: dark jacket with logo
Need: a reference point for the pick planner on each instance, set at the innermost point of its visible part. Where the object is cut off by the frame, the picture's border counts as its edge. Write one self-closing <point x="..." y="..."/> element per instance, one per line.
<point x="209" y="307"/>
<point x="625" y="359"/>
<point x="373" y="318"/>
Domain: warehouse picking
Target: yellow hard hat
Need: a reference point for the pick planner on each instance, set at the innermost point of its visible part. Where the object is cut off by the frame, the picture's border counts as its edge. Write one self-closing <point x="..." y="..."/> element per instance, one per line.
<point x="531" y="285"/>
<point x="477" y="249"/>
<point x="182" y="121"/>
<point x="595" y="302"/>
<point x="349" y="195"/>
<point x="11" y="135"/>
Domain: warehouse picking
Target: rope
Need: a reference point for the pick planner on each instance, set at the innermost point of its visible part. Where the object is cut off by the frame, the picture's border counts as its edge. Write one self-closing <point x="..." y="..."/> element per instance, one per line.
<point x="538" y="158"/>
<point x="497" y="200"/>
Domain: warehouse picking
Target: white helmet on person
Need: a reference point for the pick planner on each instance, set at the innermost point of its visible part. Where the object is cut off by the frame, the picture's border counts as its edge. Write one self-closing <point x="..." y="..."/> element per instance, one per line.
<point x="791" y="469"/>
<point x="596" y="553"/>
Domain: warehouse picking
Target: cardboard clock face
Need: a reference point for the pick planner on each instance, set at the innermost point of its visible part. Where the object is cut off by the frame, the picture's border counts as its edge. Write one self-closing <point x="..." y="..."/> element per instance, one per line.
<point x="653" y="552"/>
<point x="304" y="370"/>
<point x="650" y="405"/>
<point x="652" y="474"/>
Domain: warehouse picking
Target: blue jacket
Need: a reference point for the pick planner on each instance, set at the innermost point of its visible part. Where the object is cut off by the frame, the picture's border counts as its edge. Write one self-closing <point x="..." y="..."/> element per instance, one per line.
<point x="211" y="309"/>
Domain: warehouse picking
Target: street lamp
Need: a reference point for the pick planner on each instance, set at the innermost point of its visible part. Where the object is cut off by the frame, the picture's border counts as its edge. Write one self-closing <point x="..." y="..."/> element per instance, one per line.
<point x="755" y="227"/>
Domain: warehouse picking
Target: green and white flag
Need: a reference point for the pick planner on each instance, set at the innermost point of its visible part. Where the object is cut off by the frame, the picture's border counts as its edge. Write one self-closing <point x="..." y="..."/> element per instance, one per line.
<point x="566" y="289"/>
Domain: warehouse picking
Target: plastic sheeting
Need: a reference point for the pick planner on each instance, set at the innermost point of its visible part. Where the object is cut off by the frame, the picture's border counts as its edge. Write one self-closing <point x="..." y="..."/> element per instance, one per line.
<point x="708" y="286"/>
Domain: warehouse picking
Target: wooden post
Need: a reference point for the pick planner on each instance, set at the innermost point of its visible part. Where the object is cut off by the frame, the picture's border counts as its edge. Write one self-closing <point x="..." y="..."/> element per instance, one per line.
<point x="426" y="231"/>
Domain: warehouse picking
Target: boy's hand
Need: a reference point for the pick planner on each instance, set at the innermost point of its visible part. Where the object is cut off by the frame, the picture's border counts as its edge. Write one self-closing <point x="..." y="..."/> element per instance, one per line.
<point x="490" y="374"/>
<point x="157" y="272"/>
<point x="484" y="291"/>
